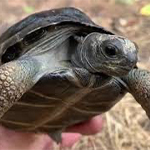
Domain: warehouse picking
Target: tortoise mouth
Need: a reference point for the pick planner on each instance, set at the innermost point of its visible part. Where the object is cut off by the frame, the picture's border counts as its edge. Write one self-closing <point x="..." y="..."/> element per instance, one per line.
<point x="115" y="71"/>
<point x="120" y="72"/>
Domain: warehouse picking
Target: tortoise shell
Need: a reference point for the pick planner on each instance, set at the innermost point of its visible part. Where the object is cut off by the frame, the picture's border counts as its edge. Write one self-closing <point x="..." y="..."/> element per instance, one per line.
<point x="43" y="19"/>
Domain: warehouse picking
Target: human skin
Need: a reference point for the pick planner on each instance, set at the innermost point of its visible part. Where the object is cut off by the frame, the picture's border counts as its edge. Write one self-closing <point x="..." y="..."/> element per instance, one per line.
<point x="11" y="140"/>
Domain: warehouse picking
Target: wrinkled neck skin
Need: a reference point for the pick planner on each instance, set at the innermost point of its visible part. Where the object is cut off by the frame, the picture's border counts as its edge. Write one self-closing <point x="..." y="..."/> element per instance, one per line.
<point x="83" y="58"/>
<point x="137" y="82"/>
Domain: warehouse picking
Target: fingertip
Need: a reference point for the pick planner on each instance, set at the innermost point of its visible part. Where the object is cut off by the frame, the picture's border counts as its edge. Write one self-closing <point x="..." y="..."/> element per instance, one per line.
<point x="95" y="124"/>
<point x="89" y="127"/>
<point x="69" y="139"/>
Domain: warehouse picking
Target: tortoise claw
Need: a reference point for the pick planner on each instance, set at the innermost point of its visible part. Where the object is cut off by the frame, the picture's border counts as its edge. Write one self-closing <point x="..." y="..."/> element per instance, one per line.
<point x="56" y="136"/>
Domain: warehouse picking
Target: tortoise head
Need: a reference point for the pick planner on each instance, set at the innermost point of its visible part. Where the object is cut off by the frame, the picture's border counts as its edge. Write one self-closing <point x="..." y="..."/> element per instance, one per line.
<point x="110" y="54"/>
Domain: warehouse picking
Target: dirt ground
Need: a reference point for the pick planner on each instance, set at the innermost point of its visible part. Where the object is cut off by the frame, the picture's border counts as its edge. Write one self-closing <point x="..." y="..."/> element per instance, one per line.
<point x="126" y="125"/>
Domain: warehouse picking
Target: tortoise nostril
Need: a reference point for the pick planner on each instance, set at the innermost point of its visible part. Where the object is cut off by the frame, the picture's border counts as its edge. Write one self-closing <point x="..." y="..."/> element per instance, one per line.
<point x="132" y="59"/>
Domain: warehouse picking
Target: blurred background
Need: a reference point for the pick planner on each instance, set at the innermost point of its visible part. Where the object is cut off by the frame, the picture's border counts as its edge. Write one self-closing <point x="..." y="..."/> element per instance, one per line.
<point x="126" y="126"/>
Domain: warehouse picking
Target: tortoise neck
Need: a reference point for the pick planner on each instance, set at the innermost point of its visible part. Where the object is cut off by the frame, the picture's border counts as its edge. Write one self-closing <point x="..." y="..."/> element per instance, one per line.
<point x="81" y="59"/>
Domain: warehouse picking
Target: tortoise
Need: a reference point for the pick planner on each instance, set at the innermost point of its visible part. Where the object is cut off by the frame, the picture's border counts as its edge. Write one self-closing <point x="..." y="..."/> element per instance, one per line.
<point x="59" y="68"/>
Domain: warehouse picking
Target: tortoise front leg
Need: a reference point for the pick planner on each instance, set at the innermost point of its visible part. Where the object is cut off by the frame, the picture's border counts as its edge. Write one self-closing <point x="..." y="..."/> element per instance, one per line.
<point x="138" y="82"/>
<point x="15" y="79"/>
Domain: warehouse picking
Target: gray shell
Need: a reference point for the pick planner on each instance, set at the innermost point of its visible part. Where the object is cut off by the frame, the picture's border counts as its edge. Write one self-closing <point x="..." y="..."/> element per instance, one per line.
<point x="54" y="98"/>
<point x="53" y="17"/>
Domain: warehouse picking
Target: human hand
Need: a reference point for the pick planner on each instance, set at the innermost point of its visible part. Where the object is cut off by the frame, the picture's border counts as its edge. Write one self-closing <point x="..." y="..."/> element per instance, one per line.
<point x="11" y="140"/>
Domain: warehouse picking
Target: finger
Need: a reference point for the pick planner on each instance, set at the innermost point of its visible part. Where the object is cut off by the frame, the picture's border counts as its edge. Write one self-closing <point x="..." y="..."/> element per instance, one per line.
<point x="69" y="139"/>
<point x="92" y="126"/>
<point x="11" y="140"/>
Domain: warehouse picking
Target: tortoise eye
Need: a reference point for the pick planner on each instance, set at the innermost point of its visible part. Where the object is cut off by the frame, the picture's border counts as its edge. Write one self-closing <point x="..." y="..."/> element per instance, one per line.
<point x="34" y="36"/>
<point x="11" y="53"/>
<point x="110" y="51"/>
